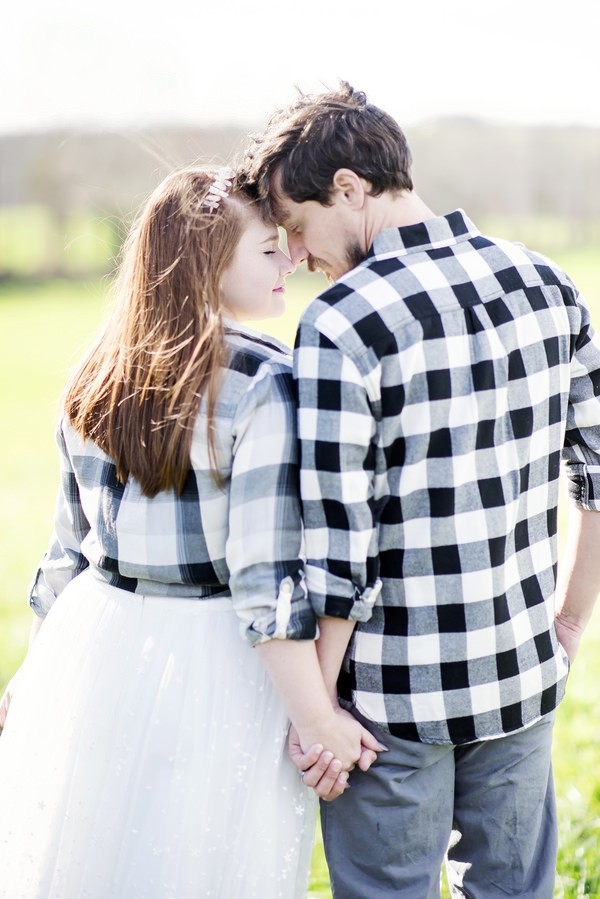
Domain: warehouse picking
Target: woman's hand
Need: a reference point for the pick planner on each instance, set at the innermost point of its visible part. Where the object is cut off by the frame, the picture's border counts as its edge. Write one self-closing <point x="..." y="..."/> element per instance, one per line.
<point x="7" y="698"/>
<point x="293" y="666"/>
<point x="318" y="768"/>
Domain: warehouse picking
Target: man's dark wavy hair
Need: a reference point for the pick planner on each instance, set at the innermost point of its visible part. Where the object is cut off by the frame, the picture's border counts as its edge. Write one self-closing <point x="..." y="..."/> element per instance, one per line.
<point x="317" y="134"/>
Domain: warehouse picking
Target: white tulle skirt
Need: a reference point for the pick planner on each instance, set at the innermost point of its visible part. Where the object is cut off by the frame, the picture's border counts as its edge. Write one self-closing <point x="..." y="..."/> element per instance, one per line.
<point x="144" y="758"/>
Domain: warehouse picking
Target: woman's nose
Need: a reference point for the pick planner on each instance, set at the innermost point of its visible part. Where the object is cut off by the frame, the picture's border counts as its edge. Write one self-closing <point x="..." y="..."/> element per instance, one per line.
<point x="286" y="266"/>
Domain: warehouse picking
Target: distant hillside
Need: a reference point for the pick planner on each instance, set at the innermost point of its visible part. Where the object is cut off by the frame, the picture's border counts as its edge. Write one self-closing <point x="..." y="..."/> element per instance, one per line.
<point x="509" y="170"/>
<point x="504" y="168"/>
<point x="496" y="173"/>
<point x="103" y="171"/>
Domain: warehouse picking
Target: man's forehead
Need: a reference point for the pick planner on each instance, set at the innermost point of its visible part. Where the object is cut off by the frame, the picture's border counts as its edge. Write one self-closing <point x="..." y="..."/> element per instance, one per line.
<point x="280" y="202"/>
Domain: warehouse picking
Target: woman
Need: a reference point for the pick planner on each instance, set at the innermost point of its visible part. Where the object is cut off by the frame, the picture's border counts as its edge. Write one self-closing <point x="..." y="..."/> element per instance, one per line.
<point x="143" y="752"/>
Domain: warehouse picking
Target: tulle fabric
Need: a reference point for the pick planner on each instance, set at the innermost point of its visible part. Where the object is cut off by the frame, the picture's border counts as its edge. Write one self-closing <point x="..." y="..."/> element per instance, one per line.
<point x="144" y="758"/>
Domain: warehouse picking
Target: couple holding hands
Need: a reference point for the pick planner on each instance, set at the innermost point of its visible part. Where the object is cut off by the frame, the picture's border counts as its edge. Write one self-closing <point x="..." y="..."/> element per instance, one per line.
<point x="375" y="514"/>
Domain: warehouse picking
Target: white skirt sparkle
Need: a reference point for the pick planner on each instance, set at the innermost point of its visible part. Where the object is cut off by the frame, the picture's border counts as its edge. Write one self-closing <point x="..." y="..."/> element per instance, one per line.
<point x="144" y="758"/>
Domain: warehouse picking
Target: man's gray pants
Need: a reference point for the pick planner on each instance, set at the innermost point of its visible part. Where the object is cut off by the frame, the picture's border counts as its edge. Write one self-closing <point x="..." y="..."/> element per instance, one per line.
<point x="487" y="807"/>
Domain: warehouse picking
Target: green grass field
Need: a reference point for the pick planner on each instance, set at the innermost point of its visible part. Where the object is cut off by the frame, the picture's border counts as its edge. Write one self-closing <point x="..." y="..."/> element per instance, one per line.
<point x="44" y="329"/>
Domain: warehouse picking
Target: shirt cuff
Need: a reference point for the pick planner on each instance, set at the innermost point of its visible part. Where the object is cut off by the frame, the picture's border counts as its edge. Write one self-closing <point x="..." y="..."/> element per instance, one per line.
<point x="584" y="485"/>
<point x="41" y="597"/>
<point x="335" y="597"/>
<point x="292" y="617"/>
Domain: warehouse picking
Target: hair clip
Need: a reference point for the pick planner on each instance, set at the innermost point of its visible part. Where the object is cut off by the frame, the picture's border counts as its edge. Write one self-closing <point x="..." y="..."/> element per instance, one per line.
<point x="221" y="184"/>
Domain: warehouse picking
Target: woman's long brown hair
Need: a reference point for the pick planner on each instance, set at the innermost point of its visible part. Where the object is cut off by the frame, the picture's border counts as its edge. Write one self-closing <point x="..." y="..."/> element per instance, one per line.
<point x="137" y="392"/>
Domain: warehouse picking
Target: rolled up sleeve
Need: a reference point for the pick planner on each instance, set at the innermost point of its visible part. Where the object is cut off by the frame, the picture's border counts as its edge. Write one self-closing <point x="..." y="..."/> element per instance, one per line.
<point x="582" y="438"/>
<point x="63" y="559"/>
<point x="264" y="549"/>
<point x="336" y="428"/>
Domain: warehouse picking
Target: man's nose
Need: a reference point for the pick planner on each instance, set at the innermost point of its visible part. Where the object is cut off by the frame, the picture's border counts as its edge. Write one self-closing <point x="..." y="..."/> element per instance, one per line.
<point x="296" y="249"/>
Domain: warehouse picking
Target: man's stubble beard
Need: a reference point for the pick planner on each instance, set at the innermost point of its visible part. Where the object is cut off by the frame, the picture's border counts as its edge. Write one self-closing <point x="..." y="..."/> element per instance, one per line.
<point x="354" y="256"/>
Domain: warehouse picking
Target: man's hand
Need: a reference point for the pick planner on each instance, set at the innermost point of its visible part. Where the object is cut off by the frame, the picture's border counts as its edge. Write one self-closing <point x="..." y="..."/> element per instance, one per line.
<point x="369" y="746"/>
<point x="569" y="635"/>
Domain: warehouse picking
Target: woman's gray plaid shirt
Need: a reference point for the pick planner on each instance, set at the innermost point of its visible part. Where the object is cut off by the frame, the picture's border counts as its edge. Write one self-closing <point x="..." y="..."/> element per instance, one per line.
<point x="440" y="383"/>
<point x="244" y="538"/>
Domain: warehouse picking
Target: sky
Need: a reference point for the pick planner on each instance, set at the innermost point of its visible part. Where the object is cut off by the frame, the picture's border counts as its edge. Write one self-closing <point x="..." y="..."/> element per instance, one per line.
<point x="124" y="63"/>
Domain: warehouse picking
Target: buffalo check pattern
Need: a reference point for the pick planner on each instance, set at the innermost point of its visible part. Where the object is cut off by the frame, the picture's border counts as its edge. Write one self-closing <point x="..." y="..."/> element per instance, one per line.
<point x="242" y="539"/>
<point x="440" y="383"/>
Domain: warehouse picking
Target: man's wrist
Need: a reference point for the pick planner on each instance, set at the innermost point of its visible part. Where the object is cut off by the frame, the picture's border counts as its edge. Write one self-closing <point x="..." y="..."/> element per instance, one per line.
<point x="572" y="622"/>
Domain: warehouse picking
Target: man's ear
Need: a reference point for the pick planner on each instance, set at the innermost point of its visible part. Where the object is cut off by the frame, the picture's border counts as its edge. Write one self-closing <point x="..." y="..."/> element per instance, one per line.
<point x="350" y="188"/>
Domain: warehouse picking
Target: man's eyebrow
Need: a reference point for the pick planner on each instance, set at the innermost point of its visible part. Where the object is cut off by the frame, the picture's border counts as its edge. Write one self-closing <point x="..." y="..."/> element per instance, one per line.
<point x="287" y="222"/>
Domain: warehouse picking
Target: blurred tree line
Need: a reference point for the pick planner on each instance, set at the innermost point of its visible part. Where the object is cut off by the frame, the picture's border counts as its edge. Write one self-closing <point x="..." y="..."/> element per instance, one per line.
<point x="66" y="198"/>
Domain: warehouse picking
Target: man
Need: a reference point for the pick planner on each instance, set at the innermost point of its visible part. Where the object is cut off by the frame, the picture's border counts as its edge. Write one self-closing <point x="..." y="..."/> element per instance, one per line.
<point x="441" y="377"/>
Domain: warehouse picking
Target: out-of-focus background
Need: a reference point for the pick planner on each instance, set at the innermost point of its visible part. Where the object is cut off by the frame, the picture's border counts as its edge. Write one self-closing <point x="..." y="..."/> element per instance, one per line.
<point x="498" y="99"/>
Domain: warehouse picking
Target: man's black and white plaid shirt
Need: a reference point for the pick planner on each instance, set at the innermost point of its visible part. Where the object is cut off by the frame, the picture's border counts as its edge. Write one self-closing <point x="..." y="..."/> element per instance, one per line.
<point x="440" y="382"/>
<point x="244" y="538"/>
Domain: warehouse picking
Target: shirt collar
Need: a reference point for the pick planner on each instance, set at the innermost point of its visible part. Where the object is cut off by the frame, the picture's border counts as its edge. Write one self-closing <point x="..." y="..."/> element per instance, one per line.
<point x="232" y="326"/>
<point x="442" y="231"/>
